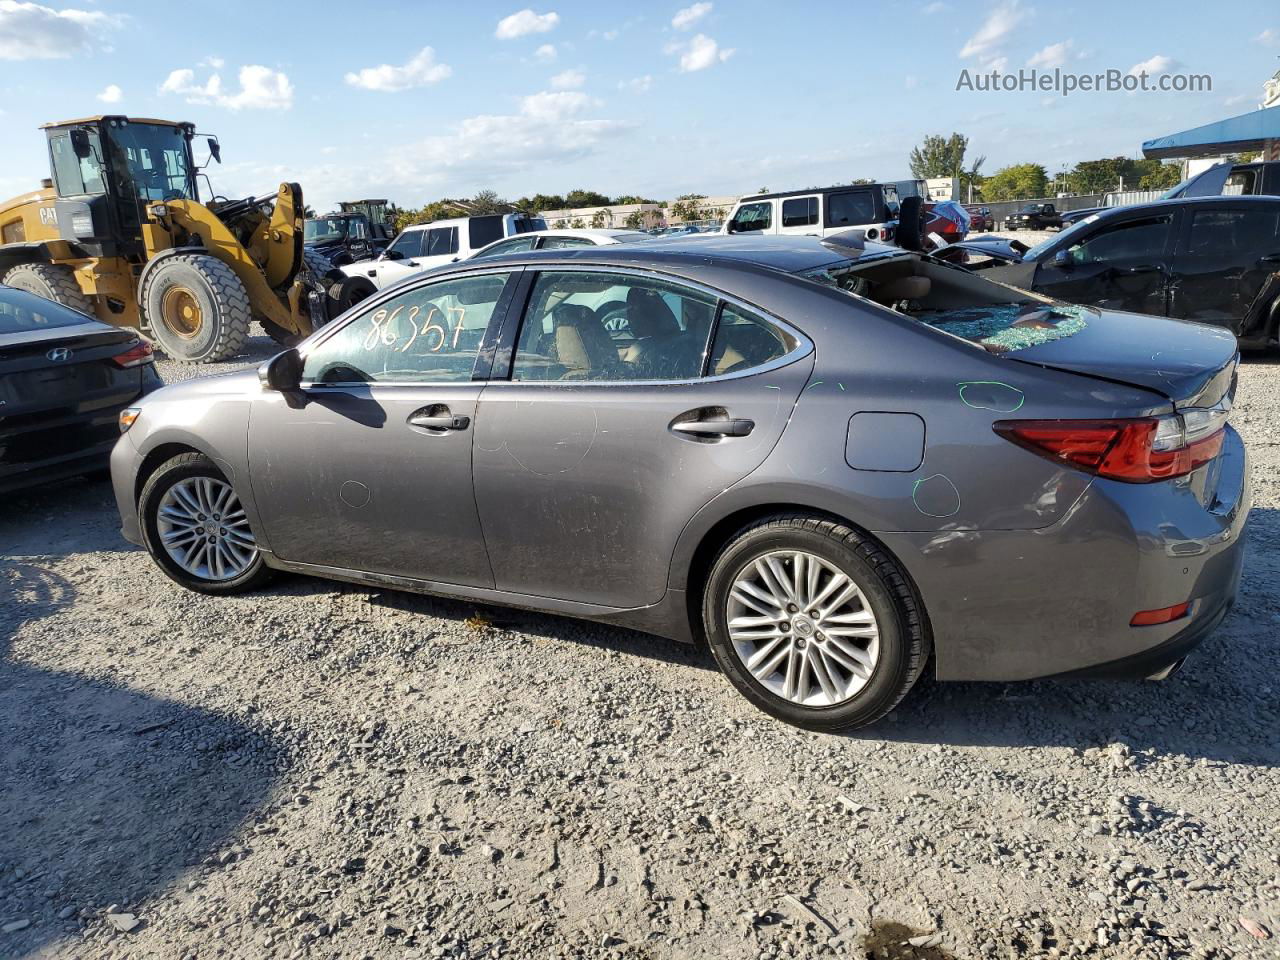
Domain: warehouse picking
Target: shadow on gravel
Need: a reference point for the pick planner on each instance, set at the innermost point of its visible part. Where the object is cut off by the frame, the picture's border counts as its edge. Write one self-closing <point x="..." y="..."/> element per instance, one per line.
<point x="106" y="794"/>
<point x="61" y="519"/>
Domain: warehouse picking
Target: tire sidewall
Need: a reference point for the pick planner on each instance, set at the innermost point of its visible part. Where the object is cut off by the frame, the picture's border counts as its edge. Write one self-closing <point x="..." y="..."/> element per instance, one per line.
<point x="184" y="468"/>
<point x="877" y="696"/>
<point x="182" y="273"/>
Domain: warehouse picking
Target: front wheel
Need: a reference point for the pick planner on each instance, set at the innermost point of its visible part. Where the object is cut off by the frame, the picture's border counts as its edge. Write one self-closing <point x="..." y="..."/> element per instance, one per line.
<point x="814" y="623"/>
<point x="197" y="308"/>
<point x="195" y="528"/>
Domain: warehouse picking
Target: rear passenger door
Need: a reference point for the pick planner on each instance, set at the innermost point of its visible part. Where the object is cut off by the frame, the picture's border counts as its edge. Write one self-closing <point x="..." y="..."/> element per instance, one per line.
<point x="1118" y="265"/>
<point x="800" y="215"/>
<point x="1225" y="255"/>
<point x="591" y="455"/>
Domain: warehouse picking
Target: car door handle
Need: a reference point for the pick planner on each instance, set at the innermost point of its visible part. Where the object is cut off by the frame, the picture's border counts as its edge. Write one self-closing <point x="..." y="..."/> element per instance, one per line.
<point x="439" y="421"/>
<point x="1141" y="268"/>
<point x="411" y="263"/>
<point x="373" y="273"/>
<point x="1270" y="258"/>
<point x="715" y="428"/>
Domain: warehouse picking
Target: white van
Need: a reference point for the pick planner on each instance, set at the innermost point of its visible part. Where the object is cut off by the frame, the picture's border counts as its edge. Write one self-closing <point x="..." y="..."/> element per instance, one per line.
<point x="428" y="245"/>
<point x="873" y="207"/>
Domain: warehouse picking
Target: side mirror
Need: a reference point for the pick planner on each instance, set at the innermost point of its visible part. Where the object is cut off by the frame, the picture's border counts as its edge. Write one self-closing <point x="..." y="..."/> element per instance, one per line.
<point x="80" y="144"/>
<point x="283" y="372"/>
<point x="1062" y="260"/>
<point x="215" y="149"/>
<point x="392" y="255"/>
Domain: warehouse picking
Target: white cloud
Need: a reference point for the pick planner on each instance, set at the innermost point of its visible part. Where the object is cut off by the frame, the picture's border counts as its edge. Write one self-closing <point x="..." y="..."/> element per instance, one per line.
<point x="994" y="30"/>
<point x="699" y="53"/>
<point x="555" y="105"/>
<point x="422" y="70"/>
<point x="261" y="88"/>
<point x="1157" y="64"/>
<point x="936" y="7"/>
<point x="525" y="22"/>
<point x="217" y="63"/>
<point x="546" y="53"/>
<point x="111" y="93"/>
<point x="637" y="84"/>
<point x="1268" y="37"/>
<point x="686" y="18"/>
<point x="568" y="79"/>
<point x="1054" y="55"/>
<point x="29" y="31"/>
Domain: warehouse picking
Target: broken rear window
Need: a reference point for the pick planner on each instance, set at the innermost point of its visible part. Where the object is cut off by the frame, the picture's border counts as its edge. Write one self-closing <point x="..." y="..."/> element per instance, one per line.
<point x="1002" y="328"/>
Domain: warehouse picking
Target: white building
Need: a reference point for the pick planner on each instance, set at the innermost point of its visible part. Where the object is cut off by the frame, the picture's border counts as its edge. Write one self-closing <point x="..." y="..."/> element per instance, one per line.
<point x="615" y="217"/>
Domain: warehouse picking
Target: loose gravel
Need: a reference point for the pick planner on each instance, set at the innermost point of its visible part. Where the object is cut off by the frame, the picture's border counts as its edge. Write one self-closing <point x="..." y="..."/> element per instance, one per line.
<point x="318" y="770"/>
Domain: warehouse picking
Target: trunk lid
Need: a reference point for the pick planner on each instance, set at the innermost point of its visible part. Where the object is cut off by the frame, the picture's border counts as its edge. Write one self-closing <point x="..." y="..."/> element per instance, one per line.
<point x="65" y="370"/>
<point x="1192" y="364"/>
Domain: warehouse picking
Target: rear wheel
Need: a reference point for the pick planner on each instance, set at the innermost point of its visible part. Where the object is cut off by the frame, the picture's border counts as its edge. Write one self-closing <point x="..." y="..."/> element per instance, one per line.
<point x="814" y="623"/>
<point x="51" y="281"/>
<point x="346" y="293"/>
<point x="197" y="308"/>
<point x="196" y="529"/>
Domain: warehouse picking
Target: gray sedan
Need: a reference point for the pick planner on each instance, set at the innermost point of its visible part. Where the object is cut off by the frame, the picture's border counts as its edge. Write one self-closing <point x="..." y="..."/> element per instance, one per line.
<point x="833" y="462"/>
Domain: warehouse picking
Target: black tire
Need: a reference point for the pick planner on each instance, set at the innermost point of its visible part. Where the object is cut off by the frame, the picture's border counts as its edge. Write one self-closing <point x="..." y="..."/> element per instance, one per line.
<point x="904" y="638"/>
<point x="51" y="281"/>
<point x="347" y="293"/>
<point x="182" y="467"/>
<point x="320" y="265"/>
<point x="910" y="235"/>
<point x="220" y="329"/>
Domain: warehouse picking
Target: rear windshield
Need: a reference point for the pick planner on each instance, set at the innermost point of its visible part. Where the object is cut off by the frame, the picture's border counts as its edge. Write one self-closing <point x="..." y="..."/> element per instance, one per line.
<point x="990" y="315"/>
<point x="22" y="312"/>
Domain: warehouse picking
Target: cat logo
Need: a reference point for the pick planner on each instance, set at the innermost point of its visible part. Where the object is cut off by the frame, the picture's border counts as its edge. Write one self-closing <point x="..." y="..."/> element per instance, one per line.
<point x="48" y="217"/>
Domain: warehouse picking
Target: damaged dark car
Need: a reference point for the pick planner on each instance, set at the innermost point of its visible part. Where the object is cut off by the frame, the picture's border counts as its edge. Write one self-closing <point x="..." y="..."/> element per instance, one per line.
<point x="1208" y="259"/>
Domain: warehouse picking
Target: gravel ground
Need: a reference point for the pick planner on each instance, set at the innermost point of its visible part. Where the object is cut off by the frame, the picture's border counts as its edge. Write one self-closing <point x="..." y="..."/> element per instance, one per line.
<point x="319" y="770"/>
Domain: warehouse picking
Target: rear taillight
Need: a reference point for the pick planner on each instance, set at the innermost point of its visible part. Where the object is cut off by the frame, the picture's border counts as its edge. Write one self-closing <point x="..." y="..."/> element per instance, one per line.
<point x="1141" y="450"/>
<point x="138" y="353"/>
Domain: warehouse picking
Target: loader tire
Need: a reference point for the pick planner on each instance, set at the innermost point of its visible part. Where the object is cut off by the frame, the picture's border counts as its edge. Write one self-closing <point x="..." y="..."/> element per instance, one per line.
<point x="197" y="308"/>
<point x="318" y="263"/>
<point x="51" y="281"/>
<point x="346" y="293"/>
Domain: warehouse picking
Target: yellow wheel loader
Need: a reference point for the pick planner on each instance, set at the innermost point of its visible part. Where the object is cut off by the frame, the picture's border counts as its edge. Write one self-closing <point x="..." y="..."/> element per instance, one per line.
<point x="119" y="232"/>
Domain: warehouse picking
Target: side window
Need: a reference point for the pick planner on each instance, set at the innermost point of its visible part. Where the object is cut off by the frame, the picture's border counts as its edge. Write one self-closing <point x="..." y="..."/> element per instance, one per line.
<point x="1229" y="232"/>
<point x="596" y="326"/>
<point x="430" y="334"/>
<point x="752" y="216"/>
<point x="442" y="241"/>
<point x="514" y="245"/>
<point x="851" y="209"/>
<point x="800" y="212"/>
<point x="358" y="231"/>
<point x="408" y="245"/>
<point x="1136" y="238"/>
<point x="562" y="243"/>
<point x="744" y="341"/>
<point x="1241" y="183"/>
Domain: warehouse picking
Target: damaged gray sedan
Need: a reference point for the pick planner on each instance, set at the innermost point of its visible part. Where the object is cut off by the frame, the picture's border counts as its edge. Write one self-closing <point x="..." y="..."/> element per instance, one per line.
<point x="838" y="464"/>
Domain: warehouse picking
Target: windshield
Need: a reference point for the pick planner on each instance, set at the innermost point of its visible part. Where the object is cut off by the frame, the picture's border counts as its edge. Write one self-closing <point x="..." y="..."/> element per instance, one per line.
<point x="1031" y="208"/>
<point x="150" y="162"/>
<point x="324" y="229"/>
<point x="1034" y="253"/>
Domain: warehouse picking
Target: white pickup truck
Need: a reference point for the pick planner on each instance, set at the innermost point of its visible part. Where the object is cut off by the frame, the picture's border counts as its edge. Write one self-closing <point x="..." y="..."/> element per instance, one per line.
<point x="428" y="245"/>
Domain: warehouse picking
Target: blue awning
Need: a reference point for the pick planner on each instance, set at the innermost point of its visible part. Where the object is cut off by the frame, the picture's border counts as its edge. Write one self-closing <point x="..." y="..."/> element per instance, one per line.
<point x="1249" y="131"/>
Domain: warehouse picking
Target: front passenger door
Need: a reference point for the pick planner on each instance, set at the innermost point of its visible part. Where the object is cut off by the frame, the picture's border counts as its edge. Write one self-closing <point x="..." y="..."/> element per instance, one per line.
<point x="1117" y="266"/>
<point x="370" y="469"/>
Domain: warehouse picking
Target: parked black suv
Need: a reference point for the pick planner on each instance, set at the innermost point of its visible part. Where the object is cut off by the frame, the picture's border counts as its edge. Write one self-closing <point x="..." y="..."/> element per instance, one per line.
<point x="1035" y="216"/>
<point x="1210" y="259"/>
<point x="343" y="237"/>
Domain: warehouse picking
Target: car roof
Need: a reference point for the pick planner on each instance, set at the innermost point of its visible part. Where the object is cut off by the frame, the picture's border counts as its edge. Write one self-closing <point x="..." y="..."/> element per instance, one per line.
<point x="810" y="191"/>
<point x="604" y="232"/>
<point x="1109" y="212"/>
<point x="789" y="254"/>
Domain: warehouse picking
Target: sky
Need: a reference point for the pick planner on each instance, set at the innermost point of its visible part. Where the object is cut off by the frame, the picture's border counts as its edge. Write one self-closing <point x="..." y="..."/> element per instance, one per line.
<point x="418" y="101"/>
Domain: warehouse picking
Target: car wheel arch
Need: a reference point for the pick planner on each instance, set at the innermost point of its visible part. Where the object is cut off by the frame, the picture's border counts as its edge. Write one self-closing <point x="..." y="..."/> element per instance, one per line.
<point x="691" y="575"/>
<point x="158" y="457"/>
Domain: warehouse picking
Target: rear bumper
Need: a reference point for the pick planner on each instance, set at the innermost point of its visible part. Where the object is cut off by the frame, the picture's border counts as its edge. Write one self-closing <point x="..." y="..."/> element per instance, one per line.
<point x="1025" y="604"/>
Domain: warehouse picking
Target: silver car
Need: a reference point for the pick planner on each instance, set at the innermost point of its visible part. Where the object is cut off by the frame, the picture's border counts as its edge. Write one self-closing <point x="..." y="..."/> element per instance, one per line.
<point x="835" y="463"/>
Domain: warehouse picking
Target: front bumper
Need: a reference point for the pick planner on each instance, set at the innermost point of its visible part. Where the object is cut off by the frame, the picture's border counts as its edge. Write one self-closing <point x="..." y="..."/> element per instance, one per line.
<point x="125" y="464"/>
<point x="1024" y="604"/>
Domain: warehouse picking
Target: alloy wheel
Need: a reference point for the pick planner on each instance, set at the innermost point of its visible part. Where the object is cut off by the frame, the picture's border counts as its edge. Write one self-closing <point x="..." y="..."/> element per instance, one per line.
<point x="204" y="530"/>
<point x="802" y="628"/>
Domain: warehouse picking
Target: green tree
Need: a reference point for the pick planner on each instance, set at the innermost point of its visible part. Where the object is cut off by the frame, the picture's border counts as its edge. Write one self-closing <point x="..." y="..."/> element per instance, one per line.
<point x="488" y="201"/>
<point x="575" y="199"/>
<point x="1161" y="177"/>
<point x="600" y="219"/>
<point x="862" y="180"/>
<point x="939" y="156"/>
<point x="686" y="206"/>
<point x="635" y="220"/>
<point x="631" y="198"/>
<point x="576" y="223"/>
<point x="308" y="212"/>
<point x="1022" y="181"/>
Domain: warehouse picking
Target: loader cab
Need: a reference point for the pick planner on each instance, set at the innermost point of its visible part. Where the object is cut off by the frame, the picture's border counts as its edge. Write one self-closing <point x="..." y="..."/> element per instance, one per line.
<point x="105" y="172"/>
